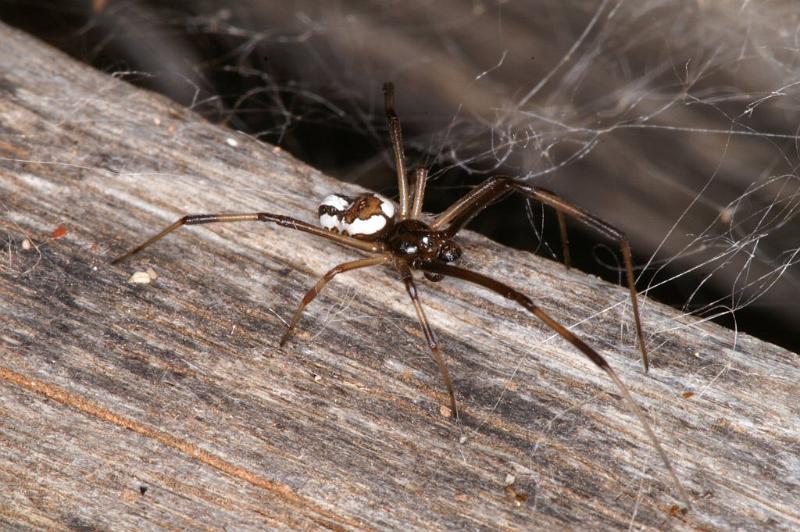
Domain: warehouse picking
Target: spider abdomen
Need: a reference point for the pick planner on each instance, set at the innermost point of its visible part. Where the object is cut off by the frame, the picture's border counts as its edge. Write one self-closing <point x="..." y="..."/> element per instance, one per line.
<point x="368" y="216"/>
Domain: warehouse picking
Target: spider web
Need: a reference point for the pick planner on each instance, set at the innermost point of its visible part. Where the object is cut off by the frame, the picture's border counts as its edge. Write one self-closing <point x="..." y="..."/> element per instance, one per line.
<point x="676" y="123"/>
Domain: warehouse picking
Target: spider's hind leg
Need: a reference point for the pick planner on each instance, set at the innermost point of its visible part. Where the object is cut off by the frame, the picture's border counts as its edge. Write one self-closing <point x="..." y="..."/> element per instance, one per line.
<point x="518" y="297"/>
<point x="285" y="221"/>
<point x="317" y="288"/>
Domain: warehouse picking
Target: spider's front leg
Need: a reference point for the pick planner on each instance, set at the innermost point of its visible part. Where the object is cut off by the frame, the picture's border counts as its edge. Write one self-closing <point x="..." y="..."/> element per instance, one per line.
<point x="405" y="273"/>
<point x="465" y="209"/>
<point x="396" y="137"/>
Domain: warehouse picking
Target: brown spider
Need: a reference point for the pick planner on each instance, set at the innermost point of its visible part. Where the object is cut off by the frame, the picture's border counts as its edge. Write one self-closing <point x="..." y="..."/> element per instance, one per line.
<point x="369" y="223"/>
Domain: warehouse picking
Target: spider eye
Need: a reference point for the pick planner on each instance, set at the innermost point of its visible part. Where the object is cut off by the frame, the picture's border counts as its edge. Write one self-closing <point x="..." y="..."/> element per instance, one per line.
<point x="449" y="252"/>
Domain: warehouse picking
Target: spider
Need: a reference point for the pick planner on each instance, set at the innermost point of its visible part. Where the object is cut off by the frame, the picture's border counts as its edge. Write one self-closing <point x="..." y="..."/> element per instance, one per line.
<point x="403" y="241"/>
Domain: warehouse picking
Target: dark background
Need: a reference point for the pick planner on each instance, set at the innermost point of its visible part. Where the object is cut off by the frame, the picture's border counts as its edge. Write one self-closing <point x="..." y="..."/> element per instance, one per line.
<point x="674" y="121"/>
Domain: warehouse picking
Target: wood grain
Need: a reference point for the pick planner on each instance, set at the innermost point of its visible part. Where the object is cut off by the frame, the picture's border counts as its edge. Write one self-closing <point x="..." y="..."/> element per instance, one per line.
<point x="170" y="405"/>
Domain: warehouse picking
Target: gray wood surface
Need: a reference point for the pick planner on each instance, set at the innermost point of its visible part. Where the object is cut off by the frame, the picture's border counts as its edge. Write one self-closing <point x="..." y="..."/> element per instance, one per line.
<point x="170" y="405"/>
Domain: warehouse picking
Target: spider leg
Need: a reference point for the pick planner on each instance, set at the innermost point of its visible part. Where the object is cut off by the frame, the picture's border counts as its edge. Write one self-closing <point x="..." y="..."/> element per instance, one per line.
<point x="421" y="177"/>
<point x="396" y="137"/>
<point x="562" y="227"/>
<point x="465" y="209"/>
<point x="514" y="295"/>
<point x="317" y="288"/>
<point x="285" y="221"/>
<point x="411" y="288"/>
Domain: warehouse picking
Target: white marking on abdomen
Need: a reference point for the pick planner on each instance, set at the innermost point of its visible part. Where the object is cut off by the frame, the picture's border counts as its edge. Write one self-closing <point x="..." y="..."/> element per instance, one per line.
<point x="370" y="226"/>
<point x="330" y="222"/>
<point x="386" y="206"/>
<point x="337" y="202"/>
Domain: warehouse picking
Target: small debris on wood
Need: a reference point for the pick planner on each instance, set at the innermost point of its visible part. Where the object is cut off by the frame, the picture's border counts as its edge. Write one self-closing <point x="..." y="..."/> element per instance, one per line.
<point x="445" y="411"/>
<point x="59" y="232"/>
<point x="677" y="511"/>
<point x="140" y="278"/>
<point x="517" y="497"/>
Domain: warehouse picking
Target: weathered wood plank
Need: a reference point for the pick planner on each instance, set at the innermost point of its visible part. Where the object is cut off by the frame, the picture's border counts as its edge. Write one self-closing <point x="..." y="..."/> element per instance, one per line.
<point x="171" y="404"/>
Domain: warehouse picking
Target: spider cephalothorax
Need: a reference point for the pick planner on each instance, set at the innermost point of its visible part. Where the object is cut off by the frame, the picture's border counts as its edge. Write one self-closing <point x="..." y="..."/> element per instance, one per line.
<point x="398" y="238"/>
<point x="417" y="243"/>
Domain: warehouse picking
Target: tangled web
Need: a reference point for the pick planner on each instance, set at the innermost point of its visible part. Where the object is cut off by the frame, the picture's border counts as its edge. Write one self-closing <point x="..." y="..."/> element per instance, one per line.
<point x="676" y="122"/>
